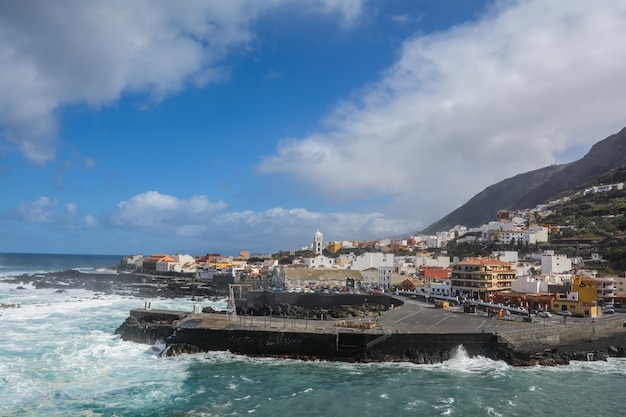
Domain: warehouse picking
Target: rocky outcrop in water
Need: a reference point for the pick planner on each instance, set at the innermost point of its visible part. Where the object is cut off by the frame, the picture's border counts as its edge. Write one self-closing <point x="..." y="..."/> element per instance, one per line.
<point x="133" y="284"/>
<point x="180" y="349"/>
<point x="148" y="326"/>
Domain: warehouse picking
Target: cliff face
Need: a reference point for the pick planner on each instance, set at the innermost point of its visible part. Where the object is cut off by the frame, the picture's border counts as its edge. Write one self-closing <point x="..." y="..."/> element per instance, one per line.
<point x="535" y="187"/>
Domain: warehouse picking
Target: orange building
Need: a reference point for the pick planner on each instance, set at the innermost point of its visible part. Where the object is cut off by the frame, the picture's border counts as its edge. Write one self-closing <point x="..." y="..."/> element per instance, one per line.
<point x="435" y="273"/>
<point x="481" y="278"/>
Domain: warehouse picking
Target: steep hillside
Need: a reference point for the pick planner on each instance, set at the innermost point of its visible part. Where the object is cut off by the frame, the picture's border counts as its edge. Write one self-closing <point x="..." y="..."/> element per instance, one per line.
<point x="603" y="157"/>
<point x="539" y="186"/>
<point x="484" y="206"/>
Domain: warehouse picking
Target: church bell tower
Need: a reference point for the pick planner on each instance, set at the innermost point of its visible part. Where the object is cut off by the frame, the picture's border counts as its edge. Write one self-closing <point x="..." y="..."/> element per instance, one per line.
<point x="318" y="243"/>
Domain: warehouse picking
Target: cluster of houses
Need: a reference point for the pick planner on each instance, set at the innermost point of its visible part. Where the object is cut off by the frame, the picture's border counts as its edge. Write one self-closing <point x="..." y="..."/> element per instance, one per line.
<point x="545" y="281"/>
<point x="548" y="281"/>
<point x="201" y="267"/>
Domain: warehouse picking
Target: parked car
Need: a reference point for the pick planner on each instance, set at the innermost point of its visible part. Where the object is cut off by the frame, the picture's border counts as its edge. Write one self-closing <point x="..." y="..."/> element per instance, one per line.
<point x="608" y="311"/>
<point x="545" y="314"/>
<point x="565" y="313"/>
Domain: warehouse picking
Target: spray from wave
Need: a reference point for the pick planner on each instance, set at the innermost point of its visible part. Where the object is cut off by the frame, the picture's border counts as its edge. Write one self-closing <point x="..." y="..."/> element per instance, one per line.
<point x="461" y="362"/>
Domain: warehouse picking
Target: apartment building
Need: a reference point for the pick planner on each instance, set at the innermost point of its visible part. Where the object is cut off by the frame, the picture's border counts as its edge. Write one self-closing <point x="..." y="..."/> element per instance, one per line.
<point x="480" y="278"/>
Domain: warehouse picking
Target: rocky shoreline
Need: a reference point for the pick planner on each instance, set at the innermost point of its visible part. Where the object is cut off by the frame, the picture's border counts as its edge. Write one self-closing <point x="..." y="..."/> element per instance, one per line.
<point x="132" y="284"/>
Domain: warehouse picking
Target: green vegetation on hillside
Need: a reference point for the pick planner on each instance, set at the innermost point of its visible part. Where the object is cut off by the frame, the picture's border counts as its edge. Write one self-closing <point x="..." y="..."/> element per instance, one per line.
<point x="595" y="215"/>
<point x="580" y="226"/>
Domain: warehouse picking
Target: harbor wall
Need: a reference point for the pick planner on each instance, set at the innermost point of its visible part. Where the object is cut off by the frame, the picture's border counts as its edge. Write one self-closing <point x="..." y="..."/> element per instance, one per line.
<point x="346" y="346"/>
<point x="309" y="340"/>
<point x="562" y="335"/>
<point x="607" y="336"/>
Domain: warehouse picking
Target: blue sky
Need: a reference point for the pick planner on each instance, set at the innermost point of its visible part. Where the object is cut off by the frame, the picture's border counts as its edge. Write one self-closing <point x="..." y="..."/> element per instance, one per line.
<point x="201" y="127"/>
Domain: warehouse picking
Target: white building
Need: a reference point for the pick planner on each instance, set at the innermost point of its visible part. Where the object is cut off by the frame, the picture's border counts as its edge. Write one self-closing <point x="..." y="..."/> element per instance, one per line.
<point x="552" y="263"/>
<point x="458" y="230"/>
<point x="132" y="259"/>
<point x="620" y="285"/>
<point x="385" y="274"/>
<point x="433" y="242"/>
<point x="510" y="256"/>
<point x="605" y="289"/>
<point x="443" y="288"/>
<point x="319" y="261"/>
<point x="529" y="285"/>
<point x="540" y="232"/>
<point x="372" y="259"/>
<point x="432" y="261"/>
<point x="184" y="264"/>
<point x="525" y="237"/>
<point x="604" y="188"/>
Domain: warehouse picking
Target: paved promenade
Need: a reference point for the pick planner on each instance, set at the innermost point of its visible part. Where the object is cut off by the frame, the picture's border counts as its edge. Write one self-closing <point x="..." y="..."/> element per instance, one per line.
<point x="412" y="317"/>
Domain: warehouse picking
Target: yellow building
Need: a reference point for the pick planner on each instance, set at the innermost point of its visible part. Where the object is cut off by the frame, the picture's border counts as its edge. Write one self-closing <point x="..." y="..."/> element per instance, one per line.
<point x="333" y="247"/>
<point x="581" y="301"/>
<point x="586" y="288"/>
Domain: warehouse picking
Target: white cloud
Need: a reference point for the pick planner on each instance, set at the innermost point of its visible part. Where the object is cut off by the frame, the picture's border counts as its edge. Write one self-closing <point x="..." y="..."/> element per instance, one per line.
<point x="202" y="223"/>
<point x="71" y="209"/>
<point x="44" y="210"/>
<point x="294" y="228"/>
<point x="38" y="211"/>
<point x="93" y="52"/>
<point x="91" y="222"/>
<point x="171" y="223"/>
<point x="349" y="10"/>
<point x="158" y="212"/>
<point x="465" y="108"/>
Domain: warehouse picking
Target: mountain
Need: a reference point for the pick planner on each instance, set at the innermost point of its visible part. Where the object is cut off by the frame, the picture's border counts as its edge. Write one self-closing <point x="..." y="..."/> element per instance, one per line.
<point x="539" y="186"/>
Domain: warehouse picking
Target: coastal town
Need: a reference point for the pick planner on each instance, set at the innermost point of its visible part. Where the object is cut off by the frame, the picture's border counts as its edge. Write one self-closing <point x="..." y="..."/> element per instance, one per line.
<point x="412" y="299"/>
<point x="542" y="282"/>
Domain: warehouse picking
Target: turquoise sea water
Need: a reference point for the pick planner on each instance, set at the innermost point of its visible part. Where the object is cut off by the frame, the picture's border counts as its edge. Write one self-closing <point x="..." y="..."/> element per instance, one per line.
<point x="59" y="357"/>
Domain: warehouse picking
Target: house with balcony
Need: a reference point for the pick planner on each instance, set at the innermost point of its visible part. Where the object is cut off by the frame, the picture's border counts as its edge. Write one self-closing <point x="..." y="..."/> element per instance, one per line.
<point x="481" y="278"/>
<point x="605" y="290"/>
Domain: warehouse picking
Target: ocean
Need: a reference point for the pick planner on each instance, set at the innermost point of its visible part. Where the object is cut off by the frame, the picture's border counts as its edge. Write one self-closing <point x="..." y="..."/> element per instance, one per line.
<point x="59" y="357"/>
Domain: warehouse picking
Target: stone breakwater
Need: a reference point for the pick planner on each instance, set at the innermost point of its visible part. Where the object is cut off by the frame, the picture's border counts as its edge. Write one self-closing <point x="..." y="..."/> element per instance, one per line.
<point x="326" y="340"/>
<point x="293" y="338"/>
<point x="585" y="341"/>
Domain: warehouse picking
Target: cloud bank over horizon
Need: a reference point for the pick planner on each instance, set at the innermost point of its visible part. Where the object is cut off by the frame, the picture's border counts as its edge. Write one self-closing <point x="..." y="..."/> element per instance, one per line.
<point x="192" y="221"/>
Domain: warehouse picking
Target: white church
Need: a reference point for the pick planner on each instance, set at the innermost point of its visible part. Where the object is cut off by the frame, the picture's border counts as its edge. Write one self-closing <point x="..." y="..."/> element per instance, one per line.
<point x="318" y="260"/>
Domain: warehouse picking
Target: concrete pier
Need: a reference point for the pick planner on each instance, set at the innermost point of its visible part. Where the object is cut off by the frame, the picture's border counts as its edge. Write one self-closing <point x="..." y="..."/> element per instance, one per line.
<point x="415" y="332"/>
